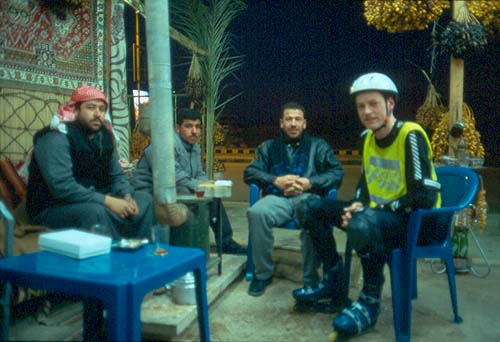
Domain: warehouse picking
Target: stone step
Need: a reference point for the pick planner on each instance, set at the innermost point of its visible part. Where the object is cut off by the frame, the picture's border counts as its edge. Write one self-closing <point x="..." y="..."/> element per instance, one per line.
<point x="163" y="319"/>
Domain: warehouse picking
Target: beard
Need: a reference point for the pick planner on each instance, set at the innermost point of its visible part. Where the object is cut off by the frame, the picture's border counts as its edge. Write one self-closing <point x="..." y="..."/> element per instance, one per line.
<point x="290" y="140"/>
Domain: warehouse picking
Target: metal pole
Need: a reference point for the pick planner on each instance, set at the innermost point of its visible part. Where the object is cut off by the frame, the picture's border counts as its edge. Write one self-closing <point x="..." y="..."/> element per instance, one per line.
<point x="137" y="64"/>
<point x="161" y="104"/>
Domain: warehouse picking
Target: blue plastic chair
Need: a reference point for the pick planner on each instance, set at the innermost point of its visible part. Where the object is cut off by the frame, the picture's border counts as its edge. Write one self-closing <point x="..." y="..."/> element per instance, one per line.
<point x="254" y="197"/>
<point x="459" y="186"/>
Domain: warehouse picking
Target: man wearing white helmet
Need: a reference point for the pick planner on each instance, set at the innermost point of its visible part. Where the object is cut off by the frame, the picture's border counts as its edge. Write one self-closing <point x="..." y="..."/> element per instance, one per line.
<point x="397" y="176"/>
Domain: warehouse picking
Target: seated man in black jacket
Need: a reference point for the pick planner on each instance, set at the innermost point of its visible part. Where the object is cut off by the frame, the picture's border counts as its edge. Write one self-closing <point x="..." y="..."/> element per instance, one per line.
<point x="289" y="169"/>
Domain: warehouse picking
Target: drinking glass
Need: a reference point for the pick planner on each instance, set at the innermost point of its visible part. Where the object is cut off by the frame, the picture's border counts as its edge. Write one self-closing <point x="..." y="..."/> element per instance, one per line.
<point x="160" y="234"/>
<point x="100" y="229"/>
<point x="200" y="191"/>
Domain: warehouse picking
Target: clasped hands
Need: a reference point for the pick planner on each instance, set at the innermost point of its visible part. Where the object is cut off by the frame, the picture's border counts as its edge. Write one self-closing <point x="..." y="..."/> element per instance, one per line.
<point x="123" y="207"/>
<point x="292" y="185"/>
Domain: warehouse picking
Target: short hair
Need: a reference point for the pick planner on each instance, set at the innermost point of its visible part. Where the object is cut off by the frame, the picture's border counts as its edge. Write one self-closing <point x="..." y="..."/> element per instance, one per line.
<point x="293" y="105"/>
<point x="187" y="114"/>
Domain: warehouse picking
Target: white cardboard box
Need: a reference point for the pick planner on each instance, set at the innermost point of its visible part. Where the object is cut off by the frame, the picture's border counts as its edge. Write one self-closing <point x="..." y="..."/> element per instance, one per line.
<point x="75" y="243"/>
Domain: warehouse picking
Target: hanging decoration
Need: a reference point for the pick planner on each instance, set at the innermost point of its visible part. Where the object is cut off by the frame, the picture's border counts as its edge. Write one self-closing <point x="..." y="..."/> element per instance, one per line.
<point x="463" y="35"/>
<point x="219" y="140"/>
<point x="194" y="86"/>
<point x="220" y="133"/>
<point x="458" y="39"/>
<point x="403" y="15"/>
<point x="487" y="12"/>
<point x="40" y="52"/>
<point x="138" y="142"/>
<point x="479" y="212"/>
<point x="430" y="113"/>
<point x="471" y="136"/>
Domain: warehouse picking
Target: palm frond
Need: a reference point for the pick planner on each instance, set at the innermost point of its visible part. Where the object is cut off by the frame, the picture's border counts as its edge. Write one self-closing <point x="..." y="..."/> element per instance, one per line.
<point x="206" y="23"/>
<point x="223" y="104"/>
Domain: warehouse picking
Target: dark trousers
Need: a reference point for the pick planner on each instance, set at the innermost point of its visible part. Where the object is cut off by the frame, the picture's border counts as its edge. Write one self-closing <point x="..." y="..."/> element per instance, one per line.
<point x="227" y="230"/>
<point x="194" y="231"/>
<point x="385" y="230"/>
<point x="85" y="215"/>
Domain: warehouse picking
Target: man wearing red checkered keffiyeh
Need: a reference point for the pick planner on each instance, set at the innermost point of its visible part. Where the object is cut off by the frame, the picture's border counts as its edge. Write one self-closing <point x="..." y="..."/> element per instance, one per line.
<point x="75" y="179"/>
<point x="67" y="112"/>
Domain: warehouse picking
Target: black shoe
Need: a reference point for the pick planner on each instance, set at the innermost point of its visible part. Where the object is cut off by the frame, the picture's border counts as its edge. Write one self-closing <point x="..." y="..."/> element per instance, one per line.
<point x="232" y="247"/>
<point x="257" y="286"/>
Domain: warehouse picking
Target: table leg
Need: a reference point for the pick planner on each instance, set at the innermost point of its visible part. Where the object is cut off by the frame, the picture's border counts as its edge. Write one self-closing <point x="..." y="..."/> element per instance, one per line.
<point x="122" y="322"/>
<point x="5" y="311"/>
<point x="200" y="276"/>
<point x="219" y="244"/>
<point x="93" y="320"/>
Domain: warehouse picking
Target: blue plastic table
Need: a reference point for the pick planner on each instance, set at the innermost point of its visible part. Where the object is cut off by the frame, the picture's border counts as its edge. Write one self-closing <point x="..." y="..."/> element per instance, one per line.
<point x="118" y="281"/>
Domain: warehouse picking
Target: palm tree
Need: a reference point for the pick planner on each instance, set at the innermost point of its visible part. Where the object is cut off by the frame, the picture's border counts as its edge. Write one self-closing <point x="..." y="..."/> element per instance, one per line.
<point x="206" y="23"/>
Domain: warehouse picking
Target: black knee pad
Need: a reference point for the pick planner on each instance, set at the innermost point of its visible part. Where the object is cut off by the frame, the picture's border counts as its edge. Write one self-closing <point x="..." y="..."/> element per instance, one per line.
<point x="363" y="231"/>
<point x="306" y="213"/>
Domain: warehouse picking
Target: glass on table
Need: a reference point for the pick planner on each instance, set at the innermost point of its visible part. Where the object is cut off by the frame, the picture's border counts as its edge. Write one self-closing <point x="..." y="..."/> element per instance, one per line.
<point x="160" y="234"/>
<point x="200" y="191"/>
<point x="100" y="229"/>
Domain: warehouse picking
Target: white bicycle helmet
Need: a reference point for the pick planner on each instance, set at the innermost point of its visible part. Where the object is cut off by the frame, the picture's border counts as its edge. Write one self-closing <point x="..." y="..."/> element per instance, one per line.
<point x="374" y="81"/>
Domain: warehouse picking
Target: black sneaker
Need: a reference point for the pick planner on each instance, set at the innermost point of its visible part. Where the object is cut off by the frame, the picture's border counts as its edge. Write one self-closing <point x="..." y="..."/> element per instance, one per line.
<point x="232" y="247"/>
<point x="257" y="286"/>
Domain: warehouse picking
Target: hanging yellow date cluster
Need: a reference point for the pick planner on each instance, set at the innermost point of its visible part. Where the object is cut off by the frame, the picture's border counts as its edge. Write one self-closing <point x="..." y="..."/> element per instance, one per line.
<point x="403" y="15"/>
<point x="479" y="212"/>
<point x="487" y="12"/>
<point x="138" y="141"/>
<point x="219" y="139"/>
<point x="194" y="86"/>
<point x="472" y="137"/>
<point x="430" y="113"/>
<point x="219" y="134"/>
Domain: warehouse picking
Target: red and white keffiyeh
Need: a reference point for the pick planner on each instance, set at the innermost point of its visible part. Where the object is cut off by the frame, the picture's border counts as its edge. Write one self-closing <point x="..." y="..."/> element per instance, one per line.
<point x="67" y="112"/>
<point x="86" y="93"/>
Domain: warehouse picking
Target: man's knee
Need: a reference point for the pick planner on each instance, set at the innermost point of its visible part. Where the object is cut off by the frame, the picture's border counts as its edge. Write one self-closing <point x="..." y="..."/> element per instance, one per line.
<point x="256" y="211"/>
<point x="308" y="212"/>
<point x="94" y="209"/>
<point x="143" y="199"/>
<point x="363" y="231"/>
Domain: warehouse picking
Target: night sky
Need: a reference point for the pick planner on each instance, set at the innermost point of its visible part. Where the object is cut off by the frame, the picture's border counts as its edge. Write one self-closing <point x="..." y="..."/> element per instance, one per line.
<point x="311" y="51"/>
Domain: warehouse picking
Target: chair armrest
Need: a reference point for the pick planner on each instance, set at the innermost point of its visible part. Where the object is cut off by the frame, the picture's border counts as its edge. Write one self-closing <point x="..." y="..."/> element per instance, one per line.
<point x="332" y="194"/>
<point x="254" y="194"/>
<point x="9" y="230"/>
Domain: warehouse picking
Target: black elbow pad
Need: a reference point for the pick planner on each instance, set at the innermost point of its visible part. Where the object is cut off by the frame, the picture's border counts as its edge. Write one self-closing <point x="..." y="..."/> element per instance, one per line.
<point x="431" y="185"/>
<point x="426" y="193"/>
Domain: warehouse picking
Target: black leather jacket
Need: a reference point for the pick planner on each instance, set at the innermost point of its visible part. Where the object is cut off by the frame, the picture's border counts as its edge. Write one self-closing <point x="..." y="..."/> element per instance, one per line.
<point x="323" y="170"/>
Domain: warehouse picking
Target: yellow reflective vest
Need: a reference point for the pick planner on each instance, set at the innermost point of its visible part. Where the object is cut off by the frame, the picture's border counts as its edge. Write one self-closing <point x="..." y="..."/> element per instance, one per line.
<point x="384" y="168"/>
